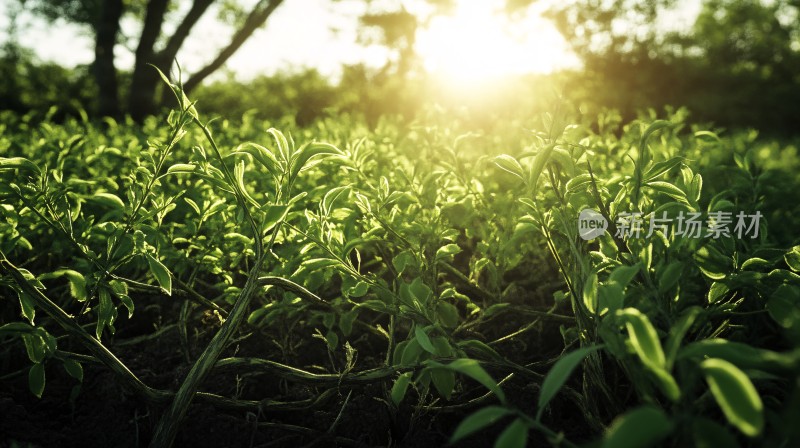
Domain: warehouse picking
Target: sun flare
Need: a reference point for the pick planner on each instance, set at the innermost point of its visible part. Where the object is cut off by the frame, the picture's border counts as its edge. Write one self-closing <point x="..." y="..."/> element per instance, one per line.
<point x="479" y="42"/>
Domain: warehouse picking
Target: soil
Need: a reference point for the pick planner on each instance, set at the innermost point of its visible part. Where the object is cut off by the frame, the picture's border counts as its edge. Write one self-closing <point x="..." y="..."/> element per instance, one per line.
<point x="103" y="414"/>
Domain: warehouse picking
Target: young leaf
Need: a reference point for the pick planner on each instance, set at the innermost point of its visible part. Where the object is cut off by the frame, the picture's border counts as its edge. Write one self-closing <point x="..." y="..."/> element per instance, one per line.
<point x="36" y="379"/>
<point x="509" y="164"/>
<point x="624" y="274"/>
<point x="400" y="387"/>
<point x="448" y="314"/>
<point x="477" y="421"/>
<point x="21" y="163"/>
<point x="74" y="369"/>
<point x="307" y="152"/>
<point x="678" y="331"/>
<point x="161" y="273"/>
<point x="741" y="355"/>
<point x="643" y="337"/>
<point x="538" y="165"/>
<point x="639" y="428"/>
<point x="444" y="380"/>
<point x="77" y="283"/>
<point x="473" y="369"/>
<point x="514" y="436"/>
<point x="792" y="258"/>
<point x="26" y="305"/>
<point x="411" y="353"/>
<point x="590" y="293"/>
<point x="559" y="374"/>
<point x="423" y="340"/>
<point x="736" y="395"/>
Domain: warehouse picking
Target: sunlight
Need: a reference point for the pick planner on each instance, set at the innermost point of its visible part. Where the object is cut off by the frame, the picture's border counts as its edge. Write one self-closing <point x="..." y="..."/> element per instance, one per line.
<point x="479" y="42"/>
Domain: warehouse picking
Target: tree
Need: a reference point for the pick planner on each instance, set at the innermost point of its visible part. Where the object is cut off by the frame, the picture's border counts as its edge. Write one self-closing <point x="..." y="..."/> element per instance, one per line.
<point x="738" y="65"/>
<point x="154" y="47"/>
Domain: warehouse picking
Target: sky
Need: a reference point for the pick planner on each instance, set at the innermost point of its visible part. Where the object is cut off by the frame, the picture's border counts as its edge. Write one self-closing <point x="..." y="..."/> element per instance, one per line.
<point x="475" y="42"/>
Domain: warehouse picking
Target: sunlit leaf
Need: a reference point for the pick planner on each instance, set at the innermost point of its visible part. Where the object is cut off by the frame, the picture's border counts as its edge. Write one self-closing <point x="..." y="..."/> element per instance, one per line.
<point x="736" y="395"/>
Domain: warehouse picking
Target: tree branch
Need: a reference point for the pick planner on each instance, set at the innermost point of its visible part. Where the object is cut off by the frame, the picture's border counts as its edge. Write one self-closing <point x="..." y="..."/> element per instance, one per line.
<point x="175" y="42"/>
<point x="258" y="16"/>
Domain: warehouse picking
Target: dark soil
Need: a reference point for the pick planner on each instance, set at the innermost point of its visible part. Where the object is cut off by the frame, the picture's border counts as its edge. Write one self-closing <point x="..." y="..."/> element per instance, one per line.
<point x="105" y="415"/>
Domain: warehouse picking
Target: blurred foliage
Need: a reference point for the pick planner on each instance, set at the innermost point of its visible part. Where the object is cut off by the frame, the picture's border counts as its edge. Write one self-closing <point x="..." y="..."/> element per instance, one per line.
<point x="28" y="84"/>
<point x="737" y="66"/>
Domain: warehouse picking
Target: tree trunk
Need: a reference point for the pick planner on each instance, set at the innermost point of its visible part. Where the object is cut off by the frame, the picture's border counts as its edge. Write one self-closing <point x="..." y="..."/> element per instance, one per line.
<point x="103" y="69"/>
<point x="145" y="81"/>
<point x="141" y="99"/>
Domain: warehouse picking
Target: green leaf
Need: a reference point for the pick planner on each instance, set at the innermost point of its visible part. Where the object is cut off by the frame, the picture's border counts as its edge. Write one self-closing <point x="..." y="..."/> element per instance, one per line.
<point x="182" y="168"/>
<point x="669" y="190"/>
<point x="624" y="274"/>
<point x="284" y="148"/>
<point x="716" y="291"/>
<point x="17" y="327"/>
<point x="315" y="264"/>
<point x="478" y="420"/>
<point x="109" y="200"/>
<point x="660" y="168"/>
<point x="274" y="215"/>
<point x="712" y="263"/>
<point x="423" y="340"/>
<point x="640" y="428"/>
<point x="678" y="331"/>
<point x="261" y="154"/>
<point x="74" y="369"/>
<point x="346" y="321"/>
<point x="476" y="346"/>
<point x="26" y="305"/>
<point x="36" y="379"/>
<point x="792" y="258"/>
<point x="559" y="374"/>
<point x="494" y="309"/>
<point x="448" y="314"/>
<point x="403" y="260"/>
<point x="736" y="395"/>
<point x="330" y="198"/>
<point x="590" y="293"/>
<point x="473" y="369"/>
<point x="411" y="353"/>
<point x="400" y="387"/>
<point x="309" y="151"/>
<point x="652" y="128"/>
<point x="669" y="275"/>
<point x="538" y="165"/>
<point x="447" y="252"/>
<point x="643" y="337"/>
<point x="332" y="339"/>
<point x="514" y="436"/>
<point x="77" y="283"/>
<point x="784" y="306"/>
<point x="35" y="347"/>
<point x="707" y="136"/>
<point x="21" y="163"/>
<point x="742" y="355"/>
<point x="127" y="302"/>
<point x="106" y="312"/>
<point x="161" y="273"/>
<point x="444" y="381"/>
<point x="420" y="290"/>
<point x="610" y="298"/>
<point x="509" y="164"/>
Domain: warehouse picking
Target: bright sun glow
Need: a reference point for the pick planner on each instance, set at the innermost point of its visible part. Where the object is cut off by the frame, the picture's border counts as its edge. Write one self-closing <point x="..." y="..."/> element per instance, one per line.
<point x="479" y="42"/>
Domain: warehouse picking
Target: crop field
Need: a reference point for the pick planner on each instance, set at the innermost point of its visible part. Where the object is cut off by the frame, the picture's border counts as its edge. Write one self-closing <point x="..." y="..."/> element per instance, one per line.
<point x="562" y="280"/>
